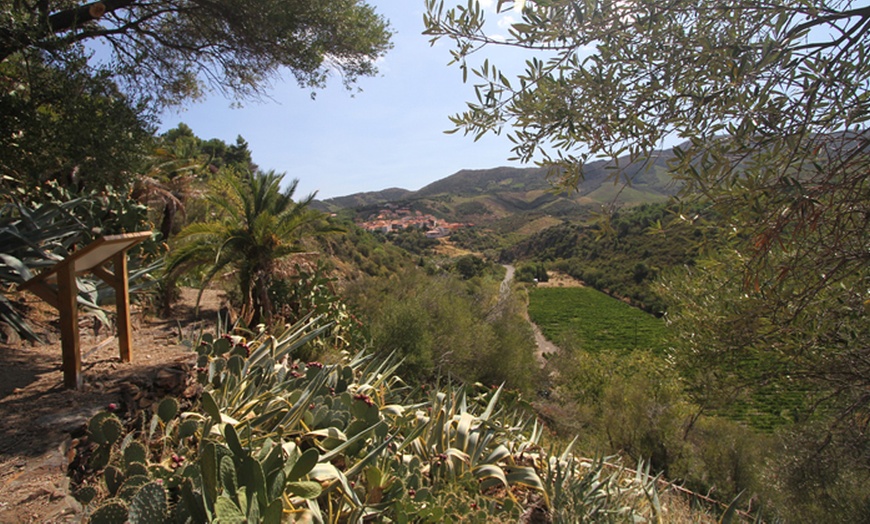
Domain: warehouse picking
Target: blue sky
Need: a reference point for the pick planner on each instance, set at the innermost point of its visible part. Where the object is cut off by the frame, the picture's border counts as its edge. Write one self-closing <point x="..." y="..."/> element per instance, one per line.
<point x="389" y="135"/>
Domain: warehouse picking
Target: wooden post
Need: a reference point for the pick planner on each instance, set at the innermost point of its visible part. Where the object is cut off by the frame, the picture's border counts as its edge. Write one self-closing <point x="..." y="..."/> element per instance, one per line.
<point x="67" y="291"/>
<point x="91" y="258"/>
<point x="122" y="305"/>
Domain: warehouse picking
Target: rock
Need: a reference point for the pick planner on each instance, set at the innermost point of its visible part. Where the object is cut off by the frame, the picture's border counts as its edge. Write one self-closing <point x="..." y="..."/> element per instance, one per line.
<point x="170" y="379"/>
<point x="67" y="421"/>
<point x="8" y="334"/>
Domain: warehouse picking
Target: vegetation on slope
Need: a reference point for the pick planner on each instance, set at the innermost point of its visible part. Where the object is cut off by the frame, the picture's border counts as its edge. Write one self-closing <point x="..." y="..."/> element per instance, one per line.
<point x="276" y="439"/>
<point x="774" y="109"/>
<point x="443" y="326"/>
<point x="621" y="255"/>
<point x="448" y="327"/>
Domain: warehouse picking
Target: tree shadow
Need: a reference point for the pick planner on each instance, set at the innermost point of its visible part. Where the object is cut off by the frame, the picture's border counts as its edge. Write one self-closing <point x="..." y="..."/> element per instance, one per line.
<point x="38" y="414"/>
<point x="19" y="369"/>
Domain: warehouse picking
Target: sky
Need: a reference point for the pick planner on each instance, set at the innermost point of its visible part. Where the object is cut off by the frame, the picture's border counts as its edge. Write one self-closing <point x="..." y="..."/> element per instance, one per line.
<point x="391" y="134"/>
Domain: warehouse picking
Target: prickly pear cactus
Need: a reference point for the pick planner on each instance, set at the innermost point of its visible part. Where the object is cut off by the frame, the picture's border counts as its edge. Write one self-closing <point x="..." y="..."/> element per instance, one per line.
<point x="105" y="429"/>
<point x="114" y="478"/>
<point x="167" y="409"/>
<point x="149" y="505"/>
<point x="135" y="453"/>
<point x="227" y="511"/>
<point x="305" y="489"/>
<point x="132" y="486"/>
<point x="113" y="511"/>
<point x="136" y="468"/>
<point x="86" y="494"/>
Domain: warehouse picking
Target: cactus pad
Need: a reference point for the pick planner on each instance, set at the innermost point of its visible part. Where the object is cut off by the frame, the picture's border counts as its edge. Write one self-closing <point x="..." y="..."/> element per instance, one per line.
<point x="131" y="486"/>
<point x="167" y="409"/>
<point x="305" y="489"/>
<point x="114" y="479"/>
<point x="112" y="512"/>
<point x="111" y="430"/>
<point x="86" y="494"/>
<point x="149" y="505"/>
<point x="135" y="452"/>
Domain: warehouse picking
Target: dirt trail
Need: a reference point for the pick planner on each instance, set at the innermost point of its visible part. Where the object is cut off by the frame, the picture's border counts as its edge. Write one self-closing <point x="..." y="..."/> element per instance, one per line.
<point x="41" y="419"/>
<point x="543" y="346"/>
<point x="505" y="288"/>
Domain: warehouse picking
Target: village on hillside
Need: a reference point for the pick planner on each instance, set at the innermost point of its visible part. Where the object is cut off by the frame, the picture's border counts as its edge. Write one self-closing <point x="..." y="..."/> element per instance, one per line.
<point x="396" y="218"/>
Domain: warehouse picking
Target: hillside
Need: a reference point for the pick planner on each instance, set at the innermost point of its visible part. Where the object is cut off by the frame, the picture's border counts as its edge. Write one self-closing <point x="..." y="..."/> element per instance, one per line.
<point x="487" y="196"/>
<point x="363" y="199"/>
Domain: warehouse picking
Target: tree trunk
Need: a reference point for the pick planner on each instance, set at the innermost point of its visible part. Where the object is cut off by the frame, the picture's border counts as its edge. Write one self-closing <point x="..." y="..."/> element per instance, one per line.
<point x="262" y="305"/>
<point x="168" y="222"/>
<point x="71" y="18"/>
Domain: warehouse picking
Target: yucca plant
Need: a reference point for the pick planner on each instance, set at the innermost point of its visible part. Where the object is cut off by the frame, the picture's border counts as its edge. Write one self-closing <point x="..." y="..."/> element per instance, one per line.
<point x="455" y="441"/>
<point x="596" y="490"/>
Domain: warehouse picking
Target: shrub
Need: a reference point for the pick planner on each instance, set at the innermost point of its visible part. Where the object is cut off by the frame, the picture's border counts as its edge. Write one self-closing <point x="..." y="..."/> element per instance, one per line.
<point x="532" y="273"/>
<point x="443" y="326"/>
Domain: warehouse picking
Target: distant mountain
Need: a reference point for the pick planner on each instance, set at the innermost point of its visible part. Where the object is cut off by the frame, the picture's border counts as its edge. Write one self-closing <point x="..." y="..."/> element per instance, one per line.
<point x="470" y="182"/>
<point x="364" y="199"/>
<point x="488" y="195"/>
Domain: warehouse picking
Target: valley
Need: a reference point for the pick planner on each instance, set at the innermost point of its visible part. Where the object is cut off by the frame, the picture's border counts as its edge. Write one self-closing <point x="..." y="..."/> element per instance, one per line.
<point x="597" y="321"/>
<point x="664" y="317"/>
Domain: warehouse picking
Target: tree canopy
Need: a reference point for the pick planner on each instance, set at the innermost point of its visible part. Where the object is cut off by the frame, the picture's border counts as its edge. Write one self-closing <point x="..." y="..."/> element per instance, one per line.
<point x="623" y="76"/>
<point x="769" y="101"/>
<point x="60" y="122"/>
<point x="173" y="48"/>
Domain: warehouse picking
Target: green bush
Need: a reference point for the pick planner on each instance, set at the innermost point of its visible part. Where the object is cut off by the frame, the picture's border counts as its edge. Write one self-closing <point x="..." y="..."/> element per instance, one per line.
<point x="445" y="326"/>
<point x="532" y="273"/>
<point x="310" y="292"/>
<point x="470" y="266"/>
<point x="819" y="472"/>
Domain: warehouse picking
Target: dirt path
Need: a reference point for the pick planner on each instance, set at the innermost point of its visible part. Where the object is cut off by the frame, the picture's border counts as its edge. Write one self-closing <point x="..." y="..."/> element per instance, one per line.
<point x="41" y="419"/>
<point x="543" y="346"/>
<point x="505" y="288"/>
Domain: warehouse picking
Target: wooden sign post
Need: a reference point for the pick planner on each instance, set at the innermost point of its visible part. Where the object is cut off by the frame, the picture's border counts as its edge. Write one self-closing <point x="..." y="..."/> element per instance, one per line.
<point x="92" y="258"/>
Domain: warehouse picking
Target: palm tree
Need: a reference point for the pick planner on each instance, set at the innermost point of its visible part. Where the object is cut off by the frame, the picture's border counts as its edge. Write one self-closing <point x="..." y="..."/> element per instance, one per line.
<point x="256" y="225"/>
<point x="165" y="186"/>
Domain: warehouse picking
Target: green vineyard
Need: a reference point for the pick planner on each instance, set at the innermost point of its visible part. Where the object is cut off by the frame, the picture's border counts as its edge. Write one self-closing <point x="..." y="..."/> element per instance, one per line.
<point x="589" y="319"/>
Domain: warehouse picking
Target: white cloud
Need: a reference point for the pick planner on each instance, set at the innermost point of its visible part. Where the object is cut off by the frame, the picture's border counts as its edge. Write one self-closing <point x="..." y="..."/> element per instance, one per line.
<point x="502" y="21"/>
<point x="488" y="5"/>
<point x="506" y="21"/>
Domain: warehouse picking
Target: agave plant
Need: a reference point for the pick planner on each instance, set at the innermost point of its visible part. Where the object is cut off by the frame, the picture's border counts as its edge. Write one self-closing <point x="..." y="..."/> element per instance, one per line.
<point x="276" y="439"/>
<point x="33" y="237"/>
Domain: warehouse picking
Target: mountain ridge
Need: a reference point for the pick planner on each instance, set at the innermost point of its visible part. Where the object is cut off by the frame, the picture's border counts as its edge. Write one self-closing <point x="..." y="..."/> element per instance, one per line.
<point x="494" y="193"/>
